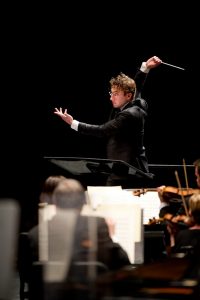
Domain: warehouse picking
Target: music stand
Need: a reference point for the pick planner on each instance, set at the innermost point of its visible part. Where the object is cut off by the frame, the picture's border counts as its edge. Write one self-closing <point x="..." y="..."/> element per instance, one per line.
<point x="97" y="169"/>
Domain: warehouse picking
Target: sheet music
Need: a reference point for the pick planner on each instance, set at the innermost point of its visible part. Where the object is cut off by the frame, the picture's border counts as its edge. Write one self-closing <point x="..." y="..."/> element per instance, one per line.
<point x="150" y="203"/>
<point x="97" y="195"/>
<point x="118" y="205"/>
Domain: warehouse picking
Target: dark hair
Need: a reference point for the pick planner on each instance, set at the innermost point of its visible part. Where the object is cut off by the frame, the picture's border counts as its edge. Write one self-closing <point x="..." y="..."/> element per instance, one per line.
<point x="49" y="185"/>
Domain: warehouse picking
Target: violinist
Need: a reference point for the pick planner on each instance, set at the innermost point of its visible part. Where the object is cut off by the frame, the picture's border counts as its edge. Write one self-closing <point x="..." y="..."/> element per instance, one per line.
<point x="170" y="207"/>
<point x="173" y="210"/>
<point x="190" y="235"/>
<point x="173" y="207"/>
<point x="171" y="203"/>
<point x="196" y="164"/>
<point x="188" y="240"/>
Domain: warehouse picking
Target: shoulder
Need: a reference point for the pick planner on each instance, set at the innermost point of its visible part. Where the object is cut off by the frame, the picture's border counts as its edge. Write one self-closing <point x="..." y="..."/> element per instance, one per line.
<point x="96" y="220"/>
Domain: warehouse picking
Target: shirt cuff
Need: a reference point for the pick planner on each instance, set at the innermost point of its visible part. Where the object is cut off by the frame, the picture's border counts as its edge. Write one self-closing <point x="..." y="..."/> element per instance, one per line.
<point x="144" y="68"/>
<point x="74" y="125"/>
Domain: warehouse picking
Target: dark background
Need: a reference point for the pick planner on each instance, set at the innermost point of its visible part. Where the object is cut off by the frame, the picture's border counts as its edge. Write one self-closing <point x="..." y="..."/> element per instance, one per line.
<point x="60" y="55"/>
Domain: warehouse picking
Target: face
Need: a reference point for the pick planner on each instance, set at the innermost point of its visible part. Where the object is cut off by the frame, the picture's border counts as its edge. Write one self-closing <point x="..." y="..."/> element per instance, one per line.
<point x="118" y="98"/>
<point x="197" y="177"/>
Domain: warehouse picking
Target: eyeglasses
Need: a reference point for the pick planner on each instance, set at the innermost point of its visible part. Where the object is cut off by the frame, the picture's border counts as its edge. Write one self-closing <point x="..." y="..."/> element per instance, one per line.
<point x="117" y="93"/>
<point x="113" y="93"/>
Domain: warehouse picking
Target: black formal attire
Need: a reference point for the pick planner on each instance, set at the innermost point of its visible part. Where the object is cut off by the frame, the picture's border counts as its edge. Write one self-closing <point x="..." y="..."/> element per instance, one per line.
<point x="109" y="256"/>
<point x="187" y="237"/>
<point x="174" y="205"/>
<point x="188" y="241"/>
<point x="106" y="251"/>
<point x="124" y="132"/>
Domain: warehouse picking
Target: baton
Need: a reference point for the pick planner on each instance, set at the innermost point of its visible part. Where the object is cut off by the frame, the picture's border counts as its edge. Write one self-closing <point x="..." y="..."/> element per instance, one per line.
<point x="164" y="63"/>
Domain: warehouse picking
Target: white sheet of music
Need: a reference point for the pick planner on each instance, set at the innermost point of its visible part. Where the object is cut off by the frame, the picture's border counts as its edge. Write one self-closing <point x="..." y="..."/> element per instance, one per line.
<point x="118" y="205"/>
<point x="97" y="195"/>
<point x="150" y="203"/>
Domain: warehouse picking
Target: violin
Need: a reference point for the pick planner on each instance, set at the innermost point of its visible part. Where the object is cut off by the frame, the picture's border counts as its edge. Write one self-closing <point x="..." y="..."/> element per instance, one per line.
<point x="184" y="219"/>
<point x="172" y="220"/>
<point x="167" y="217"/>
<point x="180" y="191"/>
<point x="173" y="191"/>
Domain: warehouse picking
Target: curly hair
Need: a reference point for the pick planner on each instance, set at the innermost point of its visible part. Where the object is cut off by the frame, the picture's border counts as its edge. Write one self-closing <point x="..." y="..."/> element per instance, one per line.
<point x="124" y="83"/>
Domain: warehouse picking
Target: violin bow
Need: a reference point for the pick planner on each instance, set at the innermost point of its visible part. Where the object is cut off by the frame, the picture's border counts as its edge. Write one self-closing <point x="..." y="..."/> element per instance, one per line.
<point x="185" y="174"/>
<point x="182" y="197"/>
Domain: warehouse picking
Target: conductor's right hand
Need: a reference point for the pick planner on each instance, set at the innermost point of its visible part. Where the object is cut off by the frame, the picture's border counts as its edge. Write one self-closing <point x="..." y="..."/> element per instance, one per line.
<point x="64" y="115"/>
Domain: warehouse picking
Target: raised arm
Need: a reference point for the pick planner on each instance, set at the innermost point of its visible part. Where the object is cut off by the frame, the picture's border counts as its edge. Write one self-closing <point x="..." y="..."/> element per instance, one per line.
<point x="141" y="74"/>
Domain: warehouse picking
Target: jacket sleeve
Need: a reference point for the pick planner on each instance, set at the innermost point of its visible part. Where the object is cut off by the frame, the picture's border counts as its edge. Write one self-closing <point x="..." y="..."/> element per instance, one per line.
<point x="140" y="79"/>
<point x="121" y="122"/>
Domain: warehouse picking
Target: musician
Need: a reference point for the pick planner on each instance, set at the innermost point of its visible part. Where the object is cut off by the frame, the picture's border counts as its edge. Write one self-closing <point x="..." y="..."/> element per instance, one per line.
<point x="196" y="164"/>
<point x="190" y="235"/>
<point x="124" y="131"/>
<point x="188" y="240"/>
<point x="172" y="203"/>
<point x="173" y="211"/>
<point x="69" y="194"/>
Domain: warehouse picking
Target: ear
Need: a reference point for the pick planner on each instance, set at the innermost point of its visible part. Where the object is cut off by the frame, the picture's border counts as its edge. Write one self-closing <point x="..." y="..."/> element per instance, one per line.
<point x="130" y="95"/>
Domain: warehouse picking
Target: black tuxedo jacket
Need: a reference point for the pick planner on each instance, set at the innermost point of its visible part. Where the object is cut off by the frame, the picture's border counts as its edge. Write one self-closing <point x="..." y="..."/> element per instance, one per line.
<point x="84" y="248"/>
<point x="125" y="131"/>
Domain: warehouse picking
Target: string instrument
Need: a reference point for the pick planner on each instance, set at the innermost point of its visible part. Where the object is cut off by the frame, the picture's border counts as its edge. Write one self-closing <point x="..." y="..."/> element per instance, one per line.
<point x="172" y="191"/>
<point x="176" y="221"/>
<point x="154" y="220"/>
<point x="172" y="220"/>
